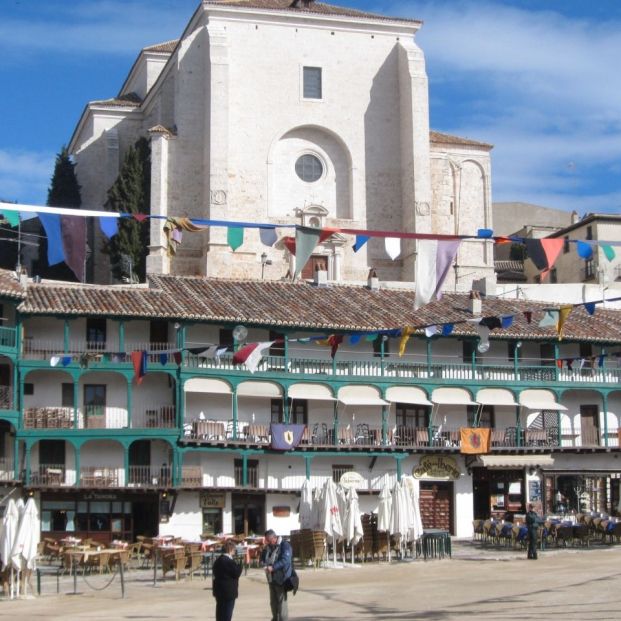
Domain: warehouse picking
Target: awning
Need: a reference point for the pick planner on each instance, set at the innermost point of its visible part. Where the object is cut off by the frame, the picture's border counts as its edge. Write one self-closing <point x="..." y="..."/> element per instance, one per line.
<point x="360" y="395"/>
<point x="452" y="396"/>
<point x="516" y="461"/>
<point x="540" y="400"/>
<point x="495" y="396"/>
<point x="407" y="394"/>
<point x="317" y="392"/>
<point x="259" y="389"/>
<point x="213" y="386"/>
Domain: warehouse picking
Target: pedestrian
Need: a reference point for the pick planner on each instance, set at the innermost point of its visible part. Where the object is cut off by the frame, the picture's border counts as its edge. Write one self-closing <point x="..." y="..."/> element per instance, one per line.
<point x="277" y="558"/>
<point x="226" y="573"/>
<point x="532" y="524"/>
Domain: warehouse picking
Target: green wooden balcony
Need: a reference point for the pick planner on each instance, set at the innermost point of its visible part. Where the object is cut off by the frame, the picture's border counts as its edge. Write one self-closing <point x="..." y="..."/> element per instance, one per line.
<point x="8" y="339"/>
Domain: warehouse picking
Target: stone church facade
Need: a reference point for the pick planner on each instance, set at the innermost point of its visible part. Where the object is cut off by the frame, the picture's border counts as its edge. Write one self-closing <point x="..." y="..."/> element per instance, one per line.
<point x="290" y="113"/>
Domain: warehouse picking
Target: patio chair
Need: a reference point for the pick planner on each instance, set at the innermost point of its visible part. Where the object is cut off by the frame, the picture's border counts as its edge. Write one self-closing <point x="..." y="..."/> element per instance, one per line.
<point x="422" y="437"/>
<point x="118" y="558"/>
<point x="174" y="561"/>
<point x="97" y="562"/>
<point x="477" y="530"/>
<point x="194" y="563"/>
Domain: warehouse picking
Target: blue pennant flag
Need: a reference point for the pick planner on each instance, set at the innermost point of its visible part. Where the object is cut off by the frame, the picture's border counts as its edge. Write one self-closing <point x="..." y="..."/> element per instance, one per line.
<point x="286" y="437"/>
<point x="361" y="240"/>
<point x="584" y="250"/>
<point x="51" y="224"/>
<point x="447" y="328"/>
<point x="65" y="361"/>
<point x="109" y="226"/>
<point x="163" y="358"/>
<point x="485" y="233"/>
<point x="506" y="321"/>
<point x="590" y="308"/>
<point x="354" y="339"/>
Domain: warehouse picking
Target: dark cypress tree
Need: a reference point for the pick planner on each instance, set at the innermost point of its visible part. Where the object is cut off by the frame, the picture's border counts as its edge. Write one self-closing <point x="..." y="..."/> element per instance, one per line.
<point x="64" y="191"/>
<point x="131" y="193"/>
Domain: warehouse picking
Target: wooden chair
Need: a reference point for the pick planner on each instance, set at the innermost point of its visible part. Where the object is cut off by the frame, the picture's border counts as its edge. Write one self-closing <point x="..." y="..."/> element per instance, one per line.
<point x="194" y="563"/>
<point x="120" y="557"/>
<point x="174" y="561"/>
<point x="98" y="562"/>
<point x="422" y="437"/>
<point x="498" y="437"/>
<point x="477" y="530"/>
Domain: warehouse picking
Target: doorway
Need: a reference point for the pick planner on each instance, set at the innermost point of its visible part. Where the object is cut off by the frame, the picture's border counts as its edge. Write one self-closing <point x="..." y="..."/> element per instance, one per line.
<point x="436" y="505"/>
<point x="589" y="425"/>
<point x="248" y="514"/>
<point x="145" y="516"/>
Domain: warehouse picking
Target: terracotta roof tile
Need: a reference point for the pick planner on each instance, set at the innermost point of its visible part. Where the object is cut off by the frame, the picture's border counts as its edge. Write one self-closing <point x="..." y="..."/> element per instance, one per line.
<point x="9" y="286"/>
<point x="312" y="8"/>
<point x="441" y="138"/>
<point x="129" y="99"/>
<point x="304" y="306"/>
<point x="166" y="47"/>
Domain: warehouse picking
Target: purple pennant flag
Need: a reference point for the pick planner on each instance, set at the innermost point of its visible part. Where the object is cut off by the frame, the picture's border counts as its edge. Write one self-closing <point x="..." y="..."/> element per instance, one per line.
<point x="286" y="437"/>
<point x="73" y="230"/>
<point x="433" y="262"/>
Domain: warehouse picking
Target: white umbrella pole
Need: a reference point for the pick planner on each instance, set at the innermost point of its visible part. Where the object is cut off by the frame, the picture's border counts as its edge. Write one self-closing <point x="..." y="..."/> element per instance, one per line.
<point x="389" y="546"/>
<point x="334" y="550"/>
<point x="12" y="584"/>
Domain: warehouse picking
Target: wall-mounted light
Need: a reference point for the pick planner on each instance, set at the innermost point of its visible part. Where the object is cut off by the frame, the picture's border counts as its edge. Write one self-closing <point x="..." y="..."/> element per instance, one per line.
<point x="264" y="261"/>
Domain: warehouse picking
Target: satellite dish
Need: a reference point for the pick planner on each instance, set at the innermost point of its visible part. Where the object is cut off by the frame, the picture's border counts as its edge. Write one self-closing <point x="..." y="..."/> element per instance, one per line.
<point x="240" y="333"/>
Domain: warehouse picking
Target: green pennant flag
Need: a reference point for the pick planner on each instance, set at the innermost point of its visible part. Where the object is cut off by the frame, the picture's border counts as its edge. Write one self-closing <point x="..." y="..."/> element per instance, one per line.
<point x="306" y="239"/>
<point x="235" y="237"/>
<point x="609" y="251"/>
<point x="12" y="217"/>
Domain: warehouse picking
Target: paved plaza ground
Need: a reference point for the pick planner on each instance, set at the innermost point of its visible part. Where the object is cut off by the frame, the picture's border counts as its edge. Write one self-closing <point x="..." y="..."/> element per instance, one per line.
<point x="477" y="583"/>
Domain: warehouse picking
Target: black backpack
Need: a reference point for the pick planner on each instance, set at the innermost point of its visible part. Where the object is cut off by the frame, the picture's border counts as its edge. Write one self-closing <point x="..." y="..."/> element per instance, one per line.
<point x="292" y="583"/>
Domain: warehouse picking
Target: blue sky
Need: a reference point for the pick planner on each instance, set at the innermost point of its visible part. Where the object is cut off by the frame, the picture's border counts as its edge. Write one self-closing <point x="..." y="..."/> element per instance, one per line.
<point x="537" y="78"/>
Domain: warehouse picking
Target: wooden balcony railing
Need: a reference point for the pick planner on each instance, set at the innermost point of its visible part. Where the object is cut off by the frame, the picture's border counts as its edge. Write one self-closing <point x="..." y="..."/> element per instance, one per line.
<point x="149" y="476"/>
<point x="7" y="469"/>
<point x="8" y="338"/>
<point x="49" y="475"/>
<point x="104" y="476"/>
<point x="191" y="476"/>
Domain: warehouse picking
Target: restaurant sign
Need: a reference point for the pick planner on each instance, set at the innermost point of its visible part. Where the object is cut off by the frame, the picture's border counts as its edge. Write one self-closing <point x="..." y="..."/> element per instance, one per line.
<point x="437" y="468"/>
<point x="212" y="500"/>
<point x="351" y="479"/>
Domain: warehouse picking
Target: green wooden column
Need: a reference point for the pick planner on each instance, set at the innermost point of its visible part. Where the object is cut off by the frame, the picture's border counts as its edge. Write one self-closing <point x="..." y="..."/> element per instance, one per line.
<point x="21" y="400"/>
<point x="307" y="463"/>
<point x="382" y="354"/>
<point x="605" y="408"/>
<point x="27" y="448"/>
<point x="16" y="457"/>
<point x="66" y="336"/>
<point x="429" y="357"/>
<point x="518" y="426"/>
<point x="286" y="352"/>
<point x="15" y="403"/>
<point x="121" y="335"/>
<point x="76" y="394"/>
<point x="385" y="413"/>
<point x="244" y="469"/>
<point x="77" y="451"/>
<point x="180" y="402"/>
<point x="130" y="401"/>
<point x="176" y="467"/>
<point x="234" y="405"/>
<point x="335" y="426"/>
<point x="126" y="463"/>
<point x="556" y="354"/>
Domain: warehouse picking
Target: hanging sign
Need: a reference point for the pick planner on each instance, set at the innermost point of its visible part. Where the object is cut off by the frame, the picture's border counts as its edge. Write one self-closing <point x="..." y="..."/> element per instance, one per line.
<point x="351" y="479"/>
<point x="212" y="500"/>
<point x="437" y="468"/>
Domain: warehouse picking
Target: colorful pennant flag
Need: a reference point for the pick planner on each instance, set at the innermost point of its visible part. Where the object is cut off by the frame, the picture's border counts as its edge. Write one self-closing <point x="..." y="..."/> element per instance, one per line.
<point x="109" y="226"/>
<point x="51" y="225"/>
<point x="447" y="328"/>
<point x="590" y="308"/>
<point x="563" y="313"/>
<point x="506" y="321"/>
<point x="251" y="355"/>
<point x="73" y="230"/>
<point x="139" y="360"/>
<point x="550" y="318"/>
<point x="405" y="337"/>
<point x="286" y="437"/>
<point x="584" y="250"/>
<point x="544" y="252"/>
<point x="268" y="236"/>
<point x="393" y="247"/>
<point x="12" y="217"/>
<point x="361" y="240"/>
<point x="609" y="252"/>
<point x="433" y="262"/>
<point x="475" y="441"/>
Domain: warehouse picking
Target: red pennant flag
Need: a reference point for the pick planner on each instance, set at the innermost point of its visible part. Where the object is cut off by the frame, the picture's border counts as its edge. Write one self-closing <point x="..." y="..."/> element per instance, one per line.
<point x="177" y="357"/>
<point x="139" y="360"/>
<point x="141" y="217"/>
<point x="289" y="243"/>
<point x="334" y="341"/>
<point x="529" y="316"/>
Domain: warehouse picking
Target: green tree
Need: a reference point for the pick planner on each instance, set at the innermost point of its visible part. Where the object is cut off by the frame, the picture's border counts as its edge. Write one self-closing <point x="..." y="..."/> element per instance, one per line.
<point x="131" y="193"/>
<point x="64" y="191"/>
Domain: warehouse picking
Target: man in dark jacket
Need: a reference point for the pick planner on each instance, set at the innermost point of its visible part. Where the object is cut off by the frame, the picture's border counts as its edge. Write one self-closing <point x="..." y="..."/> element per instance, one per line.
<point x="226" y="573"/>
<point x="277" y="558"/>
<point x="532" y="523"/>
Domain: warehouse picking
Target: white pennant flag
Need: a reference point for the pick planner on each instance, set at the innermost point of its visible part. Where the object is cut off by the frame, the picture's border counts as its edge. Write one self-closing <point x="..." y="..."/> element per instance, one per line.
<point x="393" y="247"/>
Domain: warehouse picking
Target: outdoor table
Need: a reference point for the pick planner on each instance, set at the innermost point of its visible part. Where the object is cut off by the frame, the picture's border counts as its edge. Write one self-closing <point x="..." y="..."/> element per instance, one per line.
<point x="434" y="543"/>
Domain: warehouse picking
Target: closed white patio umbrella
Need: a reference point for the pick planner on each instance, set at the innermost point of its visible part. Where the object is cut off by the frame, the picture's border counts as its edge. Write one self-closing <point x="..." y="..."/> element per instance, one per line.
<point x="331" y="516"/>
<point x="384" y="513"/>
<point x="353" y="521"/>
<point x="24" y="552"/>
<point x="399" y="522"/>
<point x="10" y="523"/>
<point x="306" y="505"/>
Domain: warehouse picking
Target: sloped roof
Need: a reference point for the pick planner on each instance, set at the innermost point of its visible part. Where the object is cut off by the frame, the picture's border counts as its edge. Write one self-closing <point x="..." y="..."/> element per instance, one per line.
<point x="442" y="138"/>
<point x="9" y="286"/>
<point x="303" y="306"/>
<point x="129" y="99"/>
<point x="167" y="47"/>
<point x="319" y="8"/>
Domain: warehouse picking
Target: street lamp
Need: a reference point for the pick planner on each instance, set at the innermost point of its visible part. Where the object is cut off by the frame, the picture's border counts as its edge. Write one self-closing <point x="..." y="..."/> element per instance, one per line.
<point x="264" y="261"/>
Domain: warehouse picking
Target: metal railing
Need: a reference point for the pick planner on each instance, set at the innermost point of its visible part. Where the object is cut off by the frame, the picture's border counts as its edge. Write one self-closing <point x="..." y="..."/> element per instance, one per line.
<point x="7" y="469"/>
<point x="8" y="337"/>
<point x="6" y="397"/>
<point x="49" y="475"/>
<point x="101" y="476"/>
<point x="252" y="474"/>
<point x="191" y="476"/>
<point x="43" y="349"/>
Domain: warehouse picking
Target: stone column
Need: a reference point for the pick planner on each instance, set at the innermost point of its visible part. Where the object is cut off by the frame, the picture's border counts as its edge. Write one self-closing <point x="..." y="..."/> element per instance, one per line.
<point x="158" y="261"/>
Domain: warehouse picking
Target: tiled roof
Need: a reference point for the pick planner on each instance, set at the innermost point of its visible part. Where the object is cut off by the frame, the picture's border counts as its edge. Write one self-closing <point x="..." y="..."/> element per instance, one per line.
<point x="304" y="306"/>
<point x="441" y="138"/>
<point x="129" y="99"/>
<point x="166" y="47"/>
<point x="312" y="8"/>
<point x="9" y="286"/>
<point x="507" y="264"/>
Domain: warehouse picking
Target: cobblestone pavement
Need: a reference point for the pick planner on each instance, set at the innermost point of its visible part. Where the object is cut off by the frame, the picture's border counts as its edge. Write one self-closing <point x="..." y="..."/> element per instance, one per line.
<point x="478" y="583"/>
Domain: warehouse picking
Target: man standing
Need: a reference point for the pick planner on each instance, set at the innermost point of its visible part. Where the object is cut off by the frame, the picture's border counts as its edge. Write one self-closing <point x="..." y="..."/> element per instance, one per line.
<point x="226" y="573"/>
<point x="532" y="523"/>
<point x="277" y="558"/>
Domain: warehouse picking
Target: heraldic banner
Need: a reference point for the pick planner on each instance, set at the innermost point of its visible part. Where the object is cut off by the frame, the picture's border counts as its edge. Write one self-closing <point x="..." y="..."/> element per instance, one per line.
<point x="475" y="441"/>
<point x="286" y="437"/>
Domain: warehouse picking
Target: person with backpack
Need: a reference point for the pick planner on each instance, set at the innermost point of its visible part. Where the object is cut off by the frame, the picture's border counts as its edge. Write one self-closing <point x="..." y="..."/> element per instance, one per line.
<point x="277" y="558"/>
<point x="226" y="573"/>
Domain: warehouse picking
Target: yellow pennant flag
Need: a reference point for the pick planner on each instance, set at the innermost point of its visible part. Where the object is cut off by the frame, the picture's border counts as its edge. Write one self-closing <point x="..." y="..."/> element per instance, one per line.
<point x="563" y="313"/>
<point x="405" y="337"/>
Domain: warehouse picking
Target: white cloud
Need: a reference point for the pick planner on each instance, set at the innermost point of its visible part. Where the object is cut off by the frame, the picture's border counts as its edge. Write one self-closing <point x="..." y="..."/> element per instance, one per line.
<point x="24" y="176"/>
<point x="543" y="88"/>
<point x="107" y="27"/>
